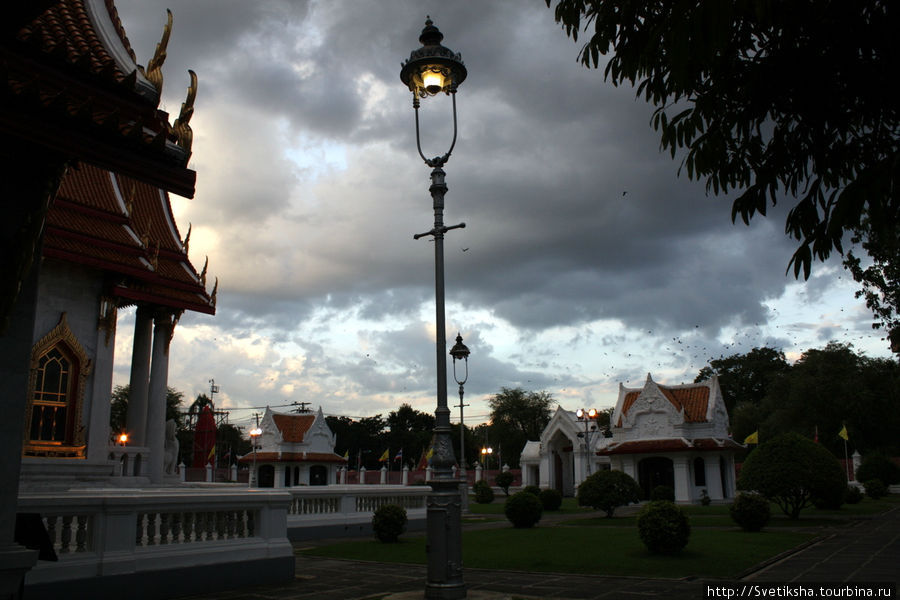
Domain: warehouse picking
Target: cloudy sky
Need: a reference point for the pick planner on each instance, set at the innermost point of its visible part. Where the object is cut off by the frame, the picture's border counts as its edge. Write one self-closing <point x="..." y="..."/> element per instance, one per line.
<point x="586" y="260"/>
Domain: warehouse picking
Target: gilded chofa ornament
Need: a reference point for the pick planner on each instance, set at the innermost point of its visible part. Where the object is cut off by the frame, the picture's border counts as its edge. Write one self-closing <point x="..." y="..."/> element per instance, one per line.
<point x="153" y="72"/>
<point x="433" y="68"/>
<point x="184" y="136"/>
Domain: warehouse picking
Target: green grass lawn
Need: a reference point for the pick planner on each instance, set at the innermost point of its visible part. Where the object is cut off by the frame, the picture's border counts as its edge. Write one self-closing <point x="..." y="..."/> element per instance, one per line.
<point x="601" y="546"/>
<point x="569" y="507"/>
<point x="710" y="553"/>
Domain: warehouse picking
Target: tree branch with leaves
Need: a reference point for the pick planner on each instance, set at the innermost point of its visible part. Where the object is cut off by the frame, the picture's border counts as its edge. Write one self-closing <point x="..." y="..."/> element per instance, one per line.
<point x="770" y="100"/>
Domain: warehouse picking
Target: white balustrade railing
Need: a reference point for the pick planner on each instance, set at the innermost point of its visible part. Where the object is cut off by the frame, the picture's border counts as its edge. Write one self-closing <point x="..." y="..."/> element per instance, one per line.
<point x="114" y="531"/>
<point x="333" y="504"/>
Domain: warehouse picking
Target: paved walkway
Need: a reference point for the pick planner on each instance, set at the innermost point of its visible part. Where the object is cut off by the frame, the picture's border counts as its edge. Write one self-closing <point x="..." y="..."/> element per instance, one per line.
<point x="865" y="551"/>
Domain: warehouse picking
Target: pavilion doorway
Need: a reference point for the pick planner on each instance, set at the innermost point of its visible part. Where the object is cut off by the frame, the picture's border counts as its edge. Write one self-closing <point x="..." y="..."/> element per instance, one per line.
<point x="654" y="471"/>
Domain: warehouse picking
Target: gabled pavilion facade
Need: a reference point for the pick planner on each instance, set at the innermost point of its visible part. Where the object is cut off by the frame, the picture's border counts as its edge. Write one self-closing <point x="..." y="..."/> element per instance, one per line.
<point x="661" y="435"/>
<point x="294" y="449"/>
<point x="675" y="436"/>
<point x="561" y="460"/>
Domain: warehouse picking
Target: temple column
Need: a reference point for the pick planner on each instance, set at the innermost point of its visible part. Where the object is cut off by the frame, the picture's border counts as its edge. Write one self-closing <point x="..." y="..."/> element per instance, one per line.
<point x="729" y="482"/>
<point x="136" y="418"/>
<point x="279" y="475"/>
<point x="682" y="479"/>
<point x="713" y="478"/>
<point x="156" y="409"/>
<point x="15" y="352"/>
<point x="98" y="431"/>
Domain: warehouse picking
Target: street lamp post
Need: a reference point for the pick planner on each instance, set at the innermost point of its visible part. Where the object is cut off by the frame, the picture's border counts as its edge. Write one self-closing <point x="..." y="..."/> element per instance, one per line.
<point x="486" y="453"/>
<point x="460" y="352"/>
<point x="254" y="434"/>
<point x="430" y="70"/>
<point x="586" y="415"/>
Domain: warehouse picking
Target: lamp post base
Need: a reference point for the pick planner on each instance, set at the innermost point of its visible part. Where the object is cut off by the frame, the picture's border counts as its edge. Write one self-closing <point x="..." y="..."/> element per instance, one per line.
<point x="444" y="546"/>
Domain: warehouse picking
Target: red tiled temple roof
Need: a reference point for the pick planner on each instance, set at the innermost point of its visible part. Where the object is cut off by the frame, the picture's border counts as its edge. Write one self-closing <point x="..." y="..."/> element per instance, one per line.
<point x="124" y="226"/>
<point x="293" y="427"/>
<point x="66" y="92"/>
<point x="694" y="400"/>
<point x="668" y="445"/>
<point x="293" y="457"/>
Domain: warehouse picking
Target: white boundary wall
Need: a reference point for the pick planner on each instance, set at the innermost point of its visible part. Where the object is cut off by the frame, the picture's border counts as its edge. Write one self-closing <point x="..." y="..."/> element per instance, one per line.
<point x="331" y="505"/>
<point x="114" y="532"/>
<point x="102" y="532"/>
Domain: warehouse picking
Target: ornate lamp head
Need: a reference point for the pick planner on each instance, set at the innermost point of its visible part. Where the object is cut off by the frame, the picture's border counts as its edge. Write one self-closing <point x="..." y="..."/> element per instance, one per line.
<point x="433" y="68"/>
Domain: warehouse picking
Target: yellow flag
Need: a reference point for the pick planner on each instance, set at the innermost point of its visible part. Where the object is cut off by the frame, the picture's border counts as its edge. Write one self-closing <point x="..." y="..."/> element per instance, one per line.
<point x="843" y="433"/>
<point x="347" y="455"/>
<point x="429" y="454"/>
<point x="753" y="438"/>
<point x="384" y="456"/>
<point x="212" y="453"/>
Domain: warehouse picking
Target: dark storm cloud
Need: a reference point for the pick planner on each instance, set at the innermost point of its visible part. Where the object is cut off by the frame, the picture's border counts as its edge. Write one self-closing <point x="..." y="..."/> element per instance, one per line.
<point x="310" y="184"/>
<point x="573" y="213"/>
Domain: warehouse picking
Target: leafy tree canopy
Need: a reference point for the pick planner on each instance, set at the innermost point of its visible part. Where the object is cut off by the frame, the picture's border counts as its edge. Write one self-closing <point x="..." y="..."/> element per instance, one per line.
<point x="834" y="386"/>
<point x="769" y="100"/>
<point x="118" y="411"/>
<point x="364" y="439"/>
<point x="518" y="416"/>
<point x="880" y="280"/>
<point x="525" y="412"/>
<point x="824" y="390"/>
<point x="745" y="377"/>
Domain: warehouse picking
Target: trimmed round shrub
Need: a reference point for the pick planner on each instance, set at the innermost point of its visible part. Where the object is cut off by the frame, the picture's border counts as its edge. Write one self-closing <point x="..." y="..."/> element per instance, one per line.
<point x="854" y="495"/>
<point x="532" y="489"/>
<point x="791" y="471"/>
<point x="550" y="499"/>
<point x="875" y="489"/>
<point x="663" y="492"/>
<point x="750" y="511"/>
<point x="606" y="490"/>
<point x="388" y="522"/>
<point x="878" y="466"/>
<point x="705" y="500"/>
<point x="503" y="480"/>
<point x="664" y="527"/>
<point x="523" y="510"/>
<point x="483" y="492"/>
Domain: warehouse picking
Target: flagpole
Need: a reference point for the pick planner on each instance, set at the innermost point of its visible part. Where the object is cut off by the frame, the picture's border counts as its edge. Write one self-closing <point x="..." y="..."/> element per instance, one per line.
<point x="846" y="460"/>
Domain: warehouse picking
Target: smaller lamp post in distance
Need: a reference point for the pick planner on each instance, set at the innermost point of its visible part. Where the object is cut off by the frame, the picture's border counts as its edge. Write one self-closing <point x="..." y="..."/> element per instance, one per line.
<point x="123" y="439"/>
<point x="588" y="416"/>
<point x="254" y="435"/>
<point x="486" y="452"/>
<point x="460" y="352"/>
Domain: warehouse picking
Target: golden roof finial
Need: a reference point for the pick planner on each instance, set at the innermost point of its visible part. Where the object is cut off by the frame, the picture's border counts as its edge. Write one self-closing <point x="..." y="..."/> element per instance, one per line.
<point x="154" y="256"/>
<point x="187" y="239"/>
<point x="203" y="272"/>
<point x="145" y="237"/>
<point x="154" y="67"/>
<point x="129" y="201"/>
<point x="212" y="297"/>
<point x="184" y="137"/>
